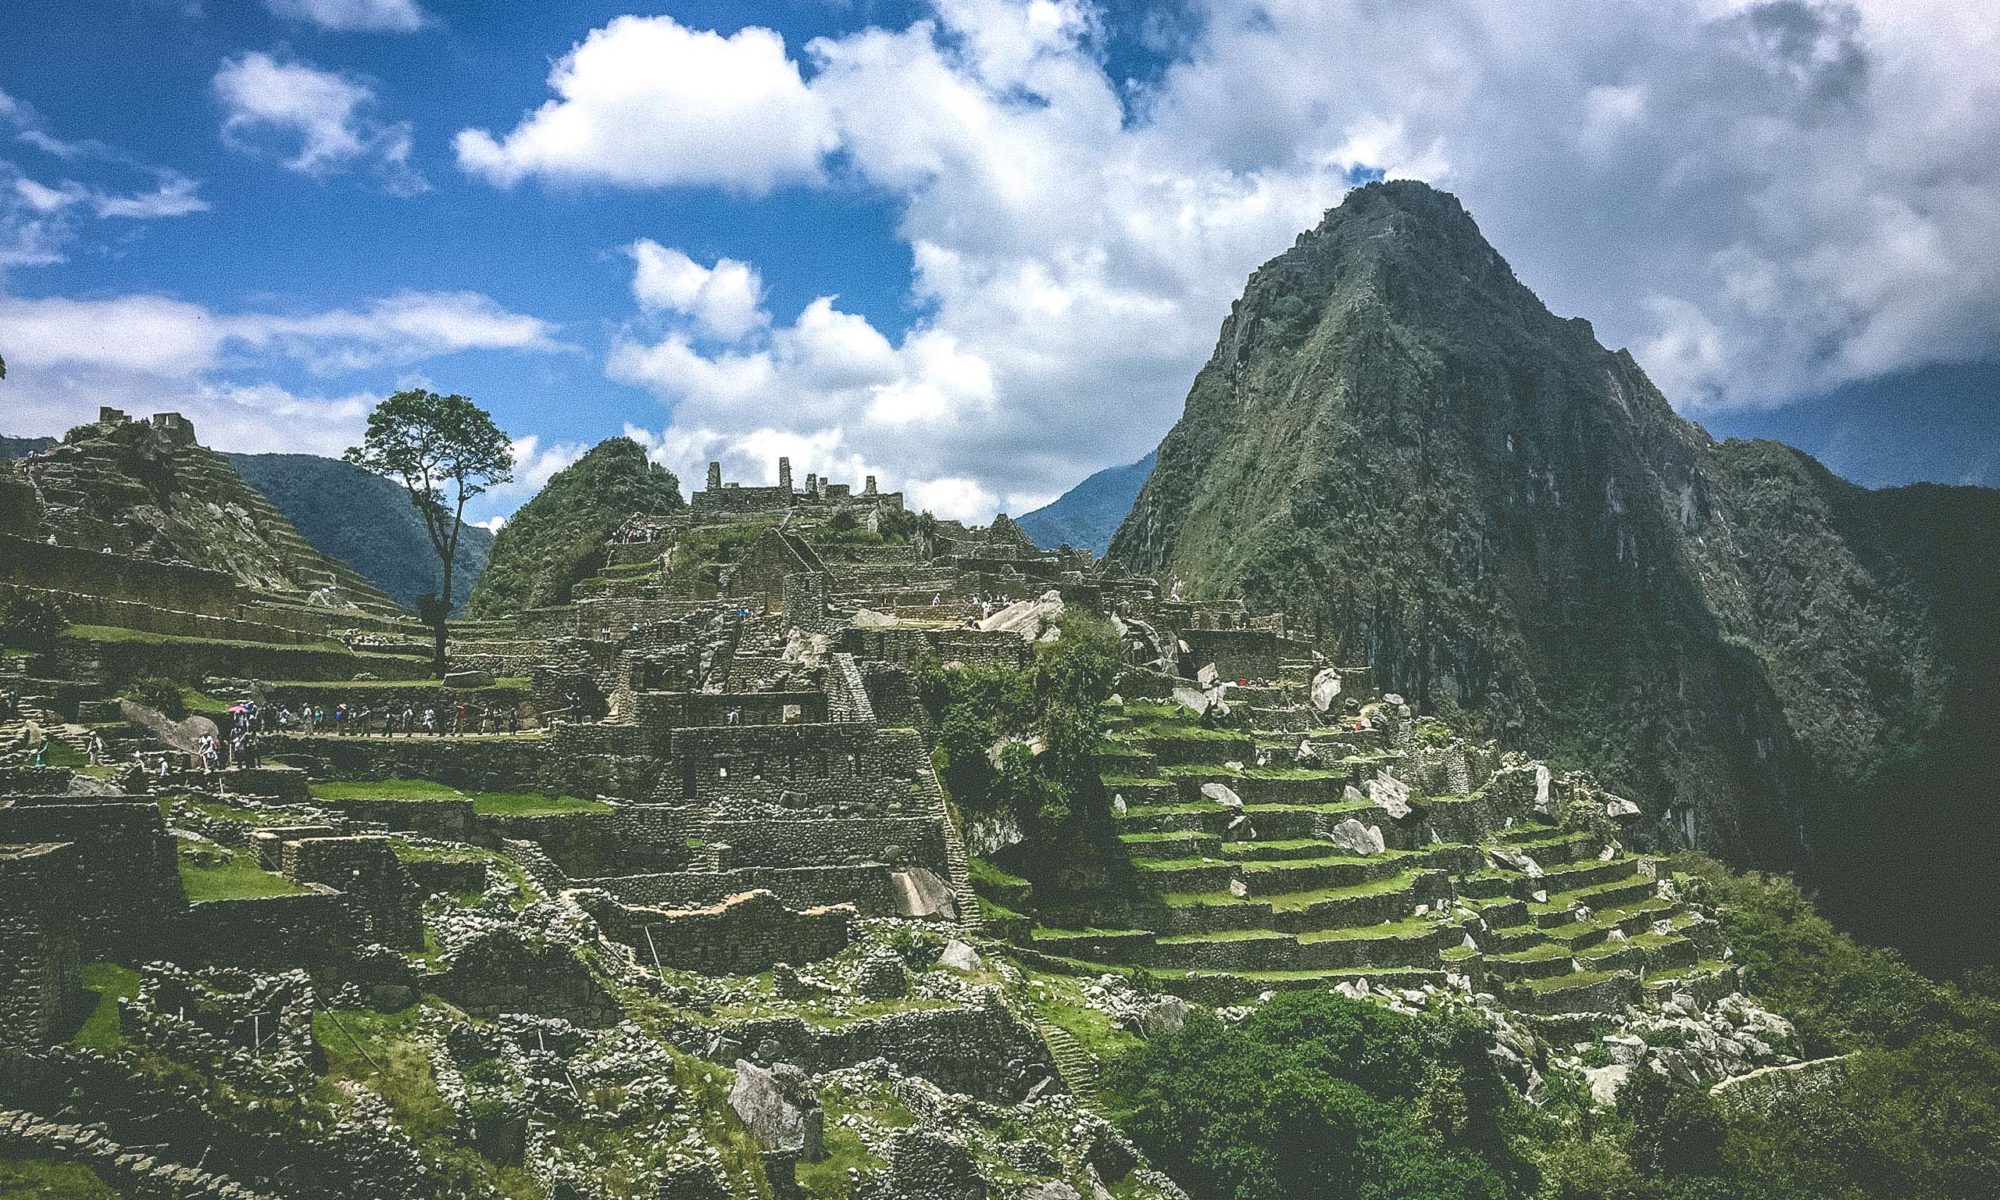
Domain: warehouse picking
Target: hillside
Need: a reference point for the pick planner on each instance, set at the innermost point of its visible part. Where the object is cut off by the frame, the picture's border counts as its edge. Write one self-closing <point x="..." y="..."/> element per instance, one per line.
<point x="22" y="447"/>
<point x="364" y="521"/>
<point x="558" y="538"/>
<point x="146" y="489"/>
<point x="1397" y="441"/>
<point x="1088" y="514"/>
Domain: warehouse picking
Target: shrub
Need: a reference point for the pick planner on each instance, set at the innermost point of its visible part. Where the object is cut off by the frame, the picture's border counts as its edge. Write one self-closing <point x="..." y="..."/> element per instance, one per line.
<point x="155" y="691"/>
<point x="31" y="623"/>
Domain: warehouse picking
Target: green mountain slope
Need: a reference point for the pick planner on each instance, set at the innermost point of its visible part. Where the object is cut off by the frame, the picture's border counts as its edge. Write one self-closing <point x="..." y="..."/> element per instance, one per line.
<point x="364" y="521"/>
<point x="559" y="537"/>
<point x="1088" y="514"/>
<point x="1508" y="520"/>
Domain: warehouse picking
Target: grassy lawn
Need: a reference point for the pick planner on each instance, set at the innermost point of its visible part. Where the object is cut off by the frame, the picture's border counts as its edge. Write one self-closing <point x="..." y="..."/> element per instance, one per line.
<point x="46" y="1179"/>
<point x="109" y="982"/>
<point x="489" y="804"/>
<point x="237" y="878"/>
<point x="386" y="789"/>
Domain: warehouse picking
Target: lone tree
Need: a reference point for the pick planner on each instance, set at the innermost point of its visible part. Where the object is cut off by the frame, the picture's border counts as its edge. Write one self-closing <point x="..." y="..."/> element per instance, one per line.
<point x="445" y="450"/>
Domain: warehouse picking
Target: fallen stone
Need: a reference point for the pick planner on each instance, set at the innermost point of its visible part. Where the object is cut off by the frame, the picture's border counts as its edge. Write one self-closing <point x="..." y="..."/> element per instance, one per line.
<point x="779" y="1109"/>
<point x="1392" y="794"/>
<point x="960" y="957"/>
<point x="1222" y="794"/>
<point x="1356" y="838"/>
<point x="1325" y="689"/>
<point x="918" y="892"/>
<point x="1605" y="1082"/>
<point x="468" y="679"/>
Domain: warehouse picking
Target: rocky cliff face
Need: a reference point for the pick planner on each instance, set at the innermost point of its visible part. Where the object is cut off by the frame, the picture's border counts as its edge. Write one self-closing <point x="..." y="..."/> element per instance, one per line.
<point x="559" y="537"/>
<point x="1508" y="520"/>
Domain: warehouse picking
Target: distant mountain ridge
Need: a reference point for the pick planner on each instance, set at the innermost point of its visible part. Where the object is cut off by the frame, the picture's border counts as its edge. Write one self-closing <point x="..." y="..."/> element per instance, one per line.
<point x="1088" y="514"/>
<point x="1396" y="440"/>
<point x="366" y="522"/>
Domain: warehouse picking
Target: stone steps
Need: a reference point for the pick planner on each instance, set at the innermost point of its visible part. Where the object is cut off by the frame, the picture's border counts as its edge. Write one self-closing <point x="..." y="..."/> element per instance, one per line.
<point x="1077" y="1066"/>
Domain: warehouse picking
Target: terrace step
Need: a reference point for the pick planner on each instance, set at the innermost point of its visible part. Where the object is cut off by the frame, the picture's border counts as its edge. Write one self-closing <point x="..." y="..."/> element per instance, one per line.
<point x="1077" y="1066"/>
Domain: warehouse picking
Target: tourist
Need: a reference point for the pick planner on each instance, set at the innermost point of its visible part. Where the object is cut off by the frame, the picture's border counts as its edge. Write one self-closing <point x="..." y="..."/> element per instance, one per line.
<point x="41" y="758"/>
<point x="430" y="720"/>
<point x="100" y="752"/>
<point x="409" y="720"/>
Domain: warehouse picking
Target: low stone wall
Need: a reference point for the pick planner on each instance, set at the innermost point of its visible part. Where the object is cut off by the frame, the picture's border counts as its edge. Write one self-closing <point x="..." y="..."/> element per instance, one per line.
<point x="1236" y="653"/>
<point x="195" y="658"/>
<point x="743" y="935"/>
<point x="916" y="841"/>
<point x="38" y="946"/>
<point x="472" y="763"/>
<point x="666" y="711"/>
<point x="264" y="931"/>
<point x="866" y="887"/>
<point x="384" y="904"/>
<point x="135" y="1173"/>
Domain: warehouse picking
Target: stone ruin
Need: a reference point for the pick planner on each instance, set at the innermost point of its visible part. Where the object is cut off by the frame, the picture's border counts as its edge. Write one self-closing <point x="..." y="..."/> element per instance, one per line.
<point x="706" y="786"/>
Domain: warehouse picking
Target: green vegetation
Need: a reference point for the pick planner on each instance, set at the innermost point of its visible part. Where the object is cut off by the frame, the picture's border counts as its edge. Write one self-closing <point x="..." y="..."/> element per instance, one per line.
<point x="1317" y="1095"/>
<point x="496" y="804"/>
<point x="223" y="874"/>
<point x="444" y="450"/>
<point x="364" y="521"/>
<point x="31" y="623"/>
<point x="160" y="693"/>
<point x="46" y="1179"/>
<point x="108" y="983"/>
<point x="558" y="538"/>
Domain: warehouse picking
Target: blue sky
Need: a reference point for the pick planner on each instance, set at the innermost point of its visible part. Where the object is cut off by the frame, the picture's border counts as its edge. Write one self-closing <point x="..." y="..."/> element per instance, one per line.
<point x="976" y="247"/>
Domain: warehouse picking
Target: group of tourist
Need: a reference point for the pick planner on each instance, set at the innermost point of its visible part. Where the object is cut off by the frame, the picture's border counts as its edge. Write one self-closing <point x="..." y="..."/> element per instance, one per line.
<point x="638" y="532"/>
<point x="345" y="720"/>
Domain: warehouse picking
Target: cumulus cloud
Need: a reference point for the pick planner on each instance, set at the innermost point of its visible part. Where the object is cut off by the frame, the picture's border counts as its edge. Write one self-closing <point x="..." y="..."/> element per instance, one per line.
<point x="319" y="122"/>
<point x="722" y="299"/>
<point x="645" y="101"/>
<point x="352" y="16"/>
<point x="1762" y="198"/>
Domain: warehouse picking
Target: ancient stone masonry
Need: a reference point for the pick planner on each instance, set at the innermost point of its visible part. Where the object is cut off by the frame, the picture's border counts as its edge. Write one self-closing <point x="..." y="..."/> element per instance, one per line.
<point x="38" y="943"/>
<point x="710" y="856"/>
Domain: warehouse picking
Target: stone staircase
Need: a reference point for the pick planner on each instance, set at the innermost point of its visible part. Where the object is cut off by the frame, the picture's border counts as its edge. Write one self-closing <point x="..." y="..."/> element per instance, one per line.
<point x="1077" y="1066"/>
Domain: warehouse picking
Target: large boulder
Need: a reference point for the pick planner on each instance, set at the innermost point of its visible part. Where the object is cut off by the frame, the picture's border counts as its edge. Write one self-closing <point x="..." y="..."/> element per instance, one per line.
<point x="468" y="679"/>
<point x="780" y="1109"/>
<point x="1325" y="689"/>
<point x="1392" y="794"/>
<point x="919" y="893"/>
<point x="1355" y="838"/>
<point x="1222" y="794"/>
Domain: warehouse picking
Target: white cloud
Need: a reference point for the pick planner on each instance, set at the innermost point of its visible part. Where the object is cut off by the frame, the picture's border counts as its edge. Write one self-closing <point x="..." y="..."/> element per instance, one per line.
<point x="66" y="357"/>
<point x="352" y="16"/>
<point x="646" y="102"/>
<point x="318" y="120"/>
<point x="1763" y="199"/>
<point x="40" y="221"/>
<point x="723" y="299"/>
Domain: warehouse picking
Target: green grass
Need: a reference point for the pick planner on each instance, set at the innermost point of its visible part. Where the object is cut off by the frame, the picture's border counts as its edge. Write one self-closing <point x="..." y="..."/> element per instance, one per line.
<point x="46" y="1179"/>
<point x="490" y="804"/>
<point x="237" y="878"/>
<point x="110" y="983"/>
<point x="386" y="789"/>
<point x="113" y="633"/>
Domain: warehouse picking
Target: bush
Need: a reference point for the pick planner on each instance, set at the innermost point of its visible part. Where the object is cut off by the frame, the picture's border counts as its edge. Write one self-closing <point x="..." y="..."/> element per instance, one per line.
<point x="155" y="691"/>
<point x="31" y="623"/>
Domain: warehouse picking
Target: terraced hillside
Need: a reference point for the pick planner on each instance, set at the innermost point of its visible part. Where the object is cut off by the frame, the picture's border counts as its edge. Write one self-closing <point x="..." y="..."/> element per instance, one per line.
<point x="1251" y="863"/>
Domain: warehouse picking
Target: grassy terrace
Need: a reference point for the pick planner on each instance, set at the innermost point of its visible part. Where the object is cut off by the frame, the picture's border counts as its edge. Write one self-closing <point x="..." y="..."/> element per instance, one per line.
<point x="236" y="877"/>
<point x="491" y="804"/>
<point x="107" y="984"/>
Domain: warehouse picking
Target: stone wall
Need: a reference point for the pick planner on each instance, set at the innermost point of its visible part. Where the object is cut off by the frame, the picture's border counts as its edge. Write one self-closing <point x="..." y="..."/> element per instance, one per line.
<point x="1236" y="653"/>
<point x="384" y="904"/>
<point x="744" y="934"/>
<point x="840" y="770"/>
<point x="474" y="764"/>
<point x="768" y="843"/>
<point x="667" y="711"/>
<point x="866" y="887"/>
<point x="264" y="931"/>
<point x="127" y="887"/>
<point x="38" y="944"/>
